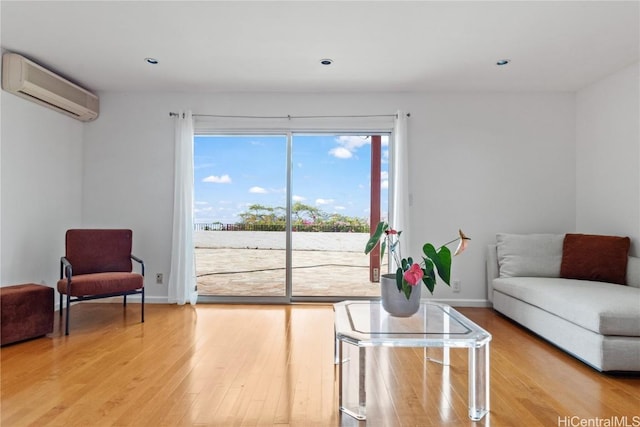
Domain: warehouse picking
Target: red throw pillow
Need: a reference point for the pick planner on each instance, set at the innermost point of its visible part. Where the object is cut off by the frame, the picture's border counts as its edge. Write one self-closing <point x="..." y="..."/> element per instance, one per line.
<point x="592" y="257"/>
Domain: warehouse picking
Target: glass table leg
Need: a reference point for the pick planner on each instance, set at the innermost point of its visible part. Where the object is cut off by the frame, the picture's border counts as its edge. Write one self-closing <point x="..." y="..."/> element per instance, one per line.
<point x="478" y="381"/>
<point x="428" y="351"/>
<point x="352" y="392"/>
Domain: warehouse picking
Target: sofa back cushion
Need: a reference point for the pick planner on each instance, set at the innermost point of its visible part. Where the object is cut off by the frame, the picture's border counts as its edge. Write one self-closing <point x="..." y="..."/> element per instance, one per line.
<point x="529" y="255"/>
<point x="597" y="258"/>
<point x="633" y="272"/>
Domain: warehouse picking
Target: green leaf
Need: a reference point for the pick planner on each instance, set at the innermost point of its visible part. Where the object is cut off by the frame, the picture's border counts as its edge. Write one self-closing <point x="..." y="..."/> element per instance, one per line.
<point x="441" y="259"/>
<point x="429" y="278"/>
<point x="382" y="247"/>
<point x="430" y="283"/>
<point x="375" y="238"/>
<point x="429" y="251"/>
<point x="399" y="278"/>
<point x="444" y="267"/>
<point x="406" y="288"/>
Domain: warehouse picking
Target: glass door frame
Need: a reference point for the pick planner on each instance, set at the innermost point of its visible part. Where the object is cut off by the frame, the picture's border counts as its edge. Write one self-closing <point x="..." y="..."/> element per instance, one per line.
<point x="288" y="297"/>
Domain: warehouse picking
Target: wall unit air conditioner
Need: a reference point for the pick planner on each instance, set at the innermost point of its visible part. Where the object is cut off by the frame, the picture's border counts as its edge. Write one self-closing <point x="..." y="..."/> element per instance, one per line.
<point x="29" y="80"/>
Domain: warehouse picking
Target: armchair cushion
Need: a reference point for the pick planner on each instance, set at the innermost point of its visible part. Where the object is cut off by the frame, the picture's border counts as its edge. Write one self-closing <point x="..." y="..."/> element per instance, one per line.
<point x="99" y="251"/>
<point x="101" y="283"/>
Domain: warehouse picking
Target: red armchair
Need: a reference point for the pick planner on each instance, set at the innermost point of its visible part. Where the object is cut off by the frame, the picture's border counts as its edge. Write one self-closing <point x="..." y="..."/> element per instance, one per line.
<point x="97" y="264"/>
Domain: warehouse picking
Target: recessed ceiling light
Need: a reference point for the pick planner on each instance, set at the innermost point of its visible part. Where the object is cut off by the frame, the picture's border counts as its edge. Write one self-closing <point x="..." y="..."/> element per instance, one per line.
<point x="326" y="61"/>
<point x="502" y="62"/>
<point x="152" y="61"/>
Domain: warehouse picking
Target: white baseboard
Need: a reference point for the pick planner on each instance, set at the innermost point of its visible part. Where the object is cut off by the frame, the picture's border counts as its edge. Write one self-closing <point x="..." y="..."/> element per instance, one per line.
<point x="463" y="302"/>
<point x="133" y="299"/>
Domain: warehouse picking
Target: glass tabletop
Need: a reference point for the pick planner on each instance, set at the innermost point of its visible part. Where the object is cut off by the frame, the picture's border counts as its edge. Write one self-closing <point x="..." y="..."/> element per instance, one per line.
<point x="366" y="323"/>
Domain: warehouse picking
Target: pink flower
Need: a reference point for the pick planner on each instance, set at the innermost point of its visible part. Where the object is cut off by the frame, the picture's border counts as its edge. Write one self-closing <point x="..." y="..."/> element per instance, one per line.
<point x="464" y="242"/>
<point x="390" y="231"/>
<point x="414" y="274"/>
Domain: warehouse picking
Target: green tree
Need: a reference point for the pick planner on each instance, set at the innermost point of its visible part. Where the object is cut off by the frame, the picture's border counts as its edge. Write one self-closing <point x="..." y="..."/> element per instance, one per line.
<point x="304" y="218"/>
<point x="302" y="213"/>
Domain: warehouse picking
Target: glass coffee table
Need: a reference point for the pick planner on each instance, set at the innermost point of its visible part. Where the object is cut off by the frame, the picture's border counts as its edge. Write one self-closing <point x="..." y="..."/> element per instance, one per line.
<point x="363" y="324"/>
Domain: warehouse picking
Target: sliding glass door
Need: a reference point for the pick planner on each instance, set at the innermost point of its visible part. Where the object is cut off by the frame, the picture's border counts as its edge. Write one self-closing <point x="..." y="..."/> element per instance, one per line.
<point x="331" y="194"/>
<point x="240" y="202"/>
<point x="286" y="216"/>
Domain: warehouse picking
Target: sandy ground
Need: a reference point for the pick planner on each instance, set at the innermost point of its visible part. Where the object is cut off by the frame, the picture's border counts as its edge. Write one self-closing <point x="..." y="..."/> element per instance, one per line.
<point x="246" y="263"/>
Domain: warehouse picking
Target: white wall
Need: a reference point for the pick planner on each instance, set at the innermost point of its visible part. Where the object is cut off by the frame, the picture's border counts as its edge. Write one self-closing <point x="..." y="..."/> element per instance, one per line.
<point x="486" y="162"/>
<point x="608" y="156"/>
<point x="128" y="177"/>
<point x="41" y="189"/>
<point x="483" y="162"/>
<point x="491" y="163"/>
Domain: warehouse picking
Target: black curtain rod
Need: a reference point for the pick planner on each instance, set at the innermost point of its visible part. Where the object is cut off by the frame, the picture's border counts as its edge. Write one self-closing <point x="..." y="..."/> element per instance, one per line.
<point x="172" y="114"/>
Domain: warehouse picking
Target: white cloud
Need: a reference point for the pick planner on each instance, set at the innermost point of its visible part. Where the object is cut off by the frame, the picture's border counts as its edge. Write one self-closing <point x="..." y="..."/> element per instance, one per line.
<point x="201" y="203"/>
<point x="339" y="208"/>
<point x="298" y="198"/>
<point x="324" y="201"/>
<point x="258" y="190"/>
<point x="348" y="145"/>
<point x="384" y="180"/>
<point x="340" y="153"/>
<point x="353" y="142"/>
<point x="202" y="210"/>
<point x="224" y="179"/>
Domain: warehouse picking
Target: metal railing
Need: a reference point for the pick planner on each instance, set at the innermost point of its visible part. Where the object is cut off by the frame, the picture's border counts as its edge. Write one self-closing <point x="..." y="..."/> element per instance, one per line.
<point x="318" y="228"/>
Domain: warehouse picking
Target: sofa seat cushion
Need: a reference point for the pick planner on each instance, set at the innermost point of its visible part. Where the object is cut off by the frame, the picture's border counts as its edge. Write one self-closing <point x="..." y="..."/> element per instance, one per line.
<point x="603" y="308"/>
<point x="101" y="283"/>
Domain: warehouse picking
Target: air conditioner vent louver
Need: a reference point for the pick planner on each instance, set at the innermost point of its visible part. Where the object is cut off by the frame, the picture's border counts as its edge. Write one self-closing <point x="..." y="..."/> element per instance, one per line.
<point x="31" y="81"/>
<point x="56" y="107"/>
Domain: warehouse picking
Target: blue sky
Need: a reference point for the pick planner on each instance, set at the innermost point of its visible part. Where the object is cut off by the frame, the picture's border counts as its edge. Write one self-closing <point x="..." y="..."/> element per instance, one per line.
<point x="330" y="172"/>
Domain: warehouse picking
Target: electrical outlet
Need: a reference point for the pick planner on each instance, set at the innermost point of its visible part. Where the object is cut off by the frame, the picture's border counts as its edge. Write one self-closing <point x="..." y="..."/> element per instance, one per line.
<point x="159" y="278"/>
<point x="376" y="274"/>
<point x="455" y="286"/>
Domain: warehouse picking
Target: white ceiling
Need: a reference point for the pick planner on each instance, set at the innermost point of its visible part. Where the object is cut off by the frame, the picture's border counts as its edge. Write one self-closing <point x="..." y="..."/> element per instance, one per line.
<point x="277" y="46"/>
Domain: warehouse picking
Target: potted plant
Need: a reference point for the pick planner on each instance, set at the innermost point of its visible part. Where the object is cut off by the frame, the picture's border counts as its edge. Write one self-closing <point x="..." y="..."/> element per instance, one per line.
<point x="409" y="273"/>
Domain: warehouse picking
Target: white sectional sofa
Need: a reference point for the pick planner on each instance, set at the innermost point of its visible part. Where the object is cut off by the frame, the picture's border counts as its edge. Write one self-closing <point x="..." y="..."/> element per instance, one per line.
<point x="596" y="321"/>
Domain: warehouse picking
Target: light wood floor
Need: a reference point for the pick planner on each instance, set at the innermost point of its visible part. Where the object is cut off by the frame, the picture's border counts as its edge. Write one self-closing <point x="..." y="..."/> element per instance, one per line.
<point x="224" y="365"/>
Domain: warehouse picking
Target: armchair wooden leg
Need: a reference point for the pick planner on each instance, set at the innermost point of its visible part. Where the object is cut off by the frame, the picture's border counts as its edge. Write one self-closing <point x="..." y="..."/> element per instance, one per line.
<point x="142" y="321"/>
<point x="125" y="301"/>
<point x="61" y="306"/>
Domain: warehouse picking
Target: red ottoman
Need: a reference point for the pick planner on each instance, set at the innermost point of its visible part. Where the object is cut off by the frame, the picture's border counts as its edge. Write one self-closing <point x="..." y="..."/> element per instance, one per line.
<point x="26" y="311"/>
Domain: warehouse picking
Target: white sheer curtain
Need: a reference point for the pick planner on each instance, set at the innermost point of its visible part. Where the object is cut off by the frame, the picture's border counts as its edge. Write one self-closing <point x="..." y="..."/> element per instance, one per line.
<point x="182" y="278"/>
<point x="399" y="188"/>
